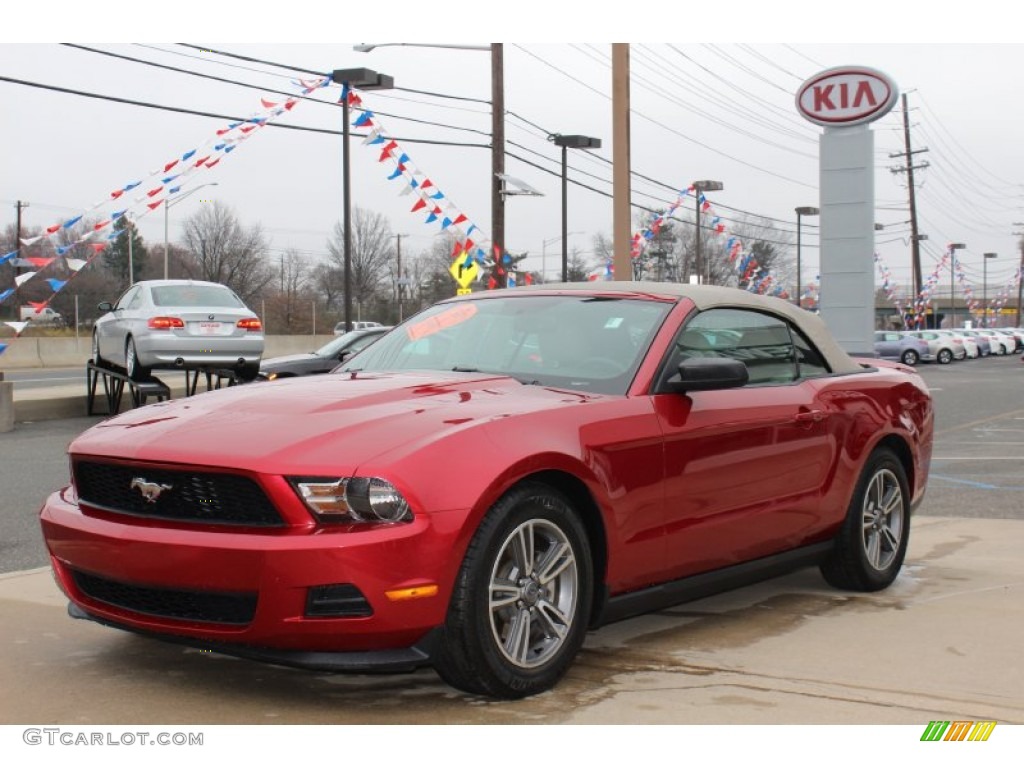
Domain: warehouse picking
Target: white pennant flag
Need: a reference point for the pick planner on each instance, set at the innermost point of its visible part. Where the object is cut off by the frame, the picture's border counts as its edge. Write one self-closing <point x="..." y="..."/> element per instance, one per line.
<point x="18" y="327"/>
<point x="75" y="264"/>
<point x="23" y="277"/>
<point x="31" y="240"/>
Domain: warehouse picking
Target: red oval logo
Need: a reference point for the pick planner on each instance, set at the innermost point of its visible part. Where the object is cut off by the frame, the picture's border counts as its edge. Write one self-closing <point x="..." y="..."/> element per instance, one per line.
<point x="846" y="96"/>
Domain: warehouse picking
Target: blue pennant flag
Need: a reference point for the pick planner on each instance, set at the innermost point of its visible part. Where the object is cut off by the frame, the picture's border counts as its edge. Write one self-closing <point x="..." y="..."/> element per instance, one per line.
<point x="187" y="155"/>
<point x="2" y="347"/>
<point x="8" y="256"/>
<point x="5" y="294"/>
<point x="396" y="174"/>
<point x="174" y="190"/>
<point x="432" y="217"/>
<point x="437" y="196"/>
<point x="130" y="187"/>
<point x="62" y="249"/>
<point x="230" y="149"/>
<point x="71" y="222"/>
<point x="56" y="284"/>
<point x="169" y="179"/>
<point x="118" y="214"/>
<point x="445" y="223"/>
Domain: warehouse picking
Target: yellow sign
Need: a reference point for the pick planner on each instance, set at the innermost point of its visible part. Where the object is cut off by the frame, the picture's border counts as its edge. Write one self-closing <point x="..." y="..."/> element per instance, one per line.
<point x="464" y="274"/>
<point x="463" y="291"/>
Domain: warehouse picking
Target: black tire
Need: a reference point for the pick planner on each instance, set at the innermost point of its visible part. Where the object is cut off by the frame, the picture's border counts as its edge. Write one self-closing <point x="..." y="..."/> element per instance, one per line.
<point x="945" y="357"/>
<point x="135" y="371"/>
<point x="525" y="644"/>
<point x="248" y="372"/>
<point x="872" y="544"/>
<point x="910" y="357"/>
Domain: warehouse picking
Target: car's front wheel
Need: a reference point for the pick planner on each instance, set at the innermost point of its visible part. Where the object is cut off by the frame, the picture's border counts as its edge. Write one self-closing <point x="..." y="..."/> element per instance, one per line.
<point x="910" y="357"/>
<point x="248" y="372"/>
<point x="521" y="603"/>
<point x="872" y="544"/>
<point x="945" y="356"/>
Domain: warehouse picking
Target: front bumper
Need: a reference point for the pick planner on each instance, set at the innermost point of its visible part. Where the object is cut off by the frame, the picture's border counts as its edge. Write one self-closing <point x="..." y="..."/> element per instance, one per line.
<point x="275" y="570"/>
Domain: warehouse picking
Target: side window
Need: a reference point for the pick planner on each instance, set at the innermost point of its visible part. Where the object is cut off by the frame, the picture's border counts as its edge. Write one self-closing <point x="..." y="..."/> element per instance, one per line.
<point x="772" y="350"/>
<point x="126" y="298"/>
<point x="136" y="301"/>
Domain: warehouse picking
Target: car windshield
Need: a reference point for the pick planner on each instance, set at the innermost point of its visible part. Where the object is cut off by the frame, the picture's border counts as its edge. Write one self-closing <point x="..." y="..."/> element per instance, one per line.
<point x="589" y="343"/>
<point x="195" y="296"/>
<point x="331" y="348"/>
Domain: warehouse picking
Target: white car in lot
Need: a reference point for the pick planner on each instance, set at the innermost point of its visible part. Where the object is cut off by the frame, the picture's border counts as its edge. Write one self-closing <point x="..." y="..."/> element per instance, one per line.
<point x="969" y="344"/>
<point x="178" y="324"/>
<point x="1002" y="344"/>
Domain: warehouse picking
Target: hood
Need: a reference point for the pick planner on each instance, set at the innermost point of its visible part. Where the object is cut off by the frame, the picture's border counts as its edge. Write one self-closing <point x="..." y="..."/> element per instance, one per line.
<point x="274" y="363"/>
<point x="315" y="425"/>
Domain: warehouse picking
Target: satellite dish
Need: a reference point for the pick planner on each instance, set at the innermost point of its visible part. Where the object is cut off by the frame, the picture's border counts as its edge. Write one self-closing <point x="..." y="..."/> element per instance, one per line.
<point x="510" y="185"/>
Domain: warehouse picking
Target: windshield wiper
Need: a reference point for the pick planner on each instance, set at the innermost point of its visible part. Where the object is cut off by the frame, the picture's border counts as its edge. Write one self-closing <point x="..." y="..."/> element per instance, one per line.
<point x="461" y="369"/>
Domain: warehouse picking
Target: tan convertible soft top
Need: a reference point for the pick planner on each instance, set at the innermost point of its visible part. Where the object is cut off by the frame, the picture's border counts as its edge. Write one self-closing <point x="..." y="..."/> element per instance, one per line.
<point x="711" y="296"/>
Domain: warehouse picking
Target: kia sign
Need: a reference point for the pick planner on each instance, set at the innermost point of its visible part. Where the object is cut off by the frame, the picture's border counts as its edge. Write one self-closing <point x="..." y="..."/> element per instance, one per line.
<point x="845" y="96"/>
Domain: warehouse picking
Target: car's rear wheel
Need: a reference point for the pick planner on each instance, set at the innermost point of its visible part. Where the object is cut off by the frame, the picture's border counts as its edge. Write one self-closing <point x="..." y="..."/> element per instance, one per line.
<point x="135" y="371"/>
<point x="910" y="357"/>
<point x="521" y="603"/>
<point x="98" y="361"/>
<point x="872" y="544"/>
<point x="945" y="356"/>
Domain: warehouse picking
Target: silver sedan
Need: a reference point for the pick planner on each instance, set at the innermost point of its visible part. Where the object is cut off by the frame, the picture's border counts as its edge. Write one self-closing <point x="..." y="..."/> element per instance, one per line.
<point x="178" y="324"/>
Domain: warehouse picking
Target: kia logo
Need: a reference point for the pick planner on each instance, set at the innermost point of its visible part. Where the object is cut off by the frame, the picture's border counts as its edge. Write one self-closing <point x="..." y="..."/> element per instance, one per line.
<point x="846" y="96"/>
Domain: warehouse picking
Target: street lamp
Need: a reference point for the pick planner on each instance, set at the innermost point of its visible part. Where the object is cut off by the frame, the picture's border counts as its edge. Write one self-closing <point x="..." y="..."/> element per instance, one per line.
<point x="497" y="122"/>
<point x="984" y="288"/>
<point x="544" y="251"/>
<point x="699" y="187"/>
<point x="168" y="204"/>
<point x="566" y="143"/>
<point x="804" y="210"/>
<point x="365" y="80"/>
<point x="953" y="248"/>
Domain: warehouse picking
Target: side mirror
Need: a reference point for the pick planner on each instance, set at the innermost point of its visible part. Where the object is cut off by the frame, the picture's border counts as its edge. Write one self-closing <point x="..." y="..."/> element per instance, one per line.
<point x="702" y="374"/>
<point x="344" y="355"/>
<point x="105" y="306"/>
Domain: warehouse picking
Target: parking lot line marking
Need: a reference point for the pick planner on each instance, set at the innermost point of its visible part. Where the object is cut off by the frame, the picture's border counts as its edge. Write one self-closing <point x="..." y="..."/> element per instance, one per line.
<point x="972" y="424"/>
<point x="977" y="458"/>
<point x="975" y="483"/>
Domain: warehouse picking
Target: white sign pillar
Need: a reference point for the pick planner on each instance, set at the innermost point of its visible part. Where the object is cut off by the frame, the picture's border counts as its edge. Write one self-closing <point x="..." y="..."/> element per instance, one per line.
<point x="845" y="100"/>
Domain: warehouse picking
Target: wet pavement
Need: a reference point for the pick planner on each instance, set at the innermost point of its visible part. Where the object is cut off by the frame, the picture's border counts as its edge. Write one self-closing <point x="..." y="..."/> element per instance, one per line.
<point x="942" y="643"/>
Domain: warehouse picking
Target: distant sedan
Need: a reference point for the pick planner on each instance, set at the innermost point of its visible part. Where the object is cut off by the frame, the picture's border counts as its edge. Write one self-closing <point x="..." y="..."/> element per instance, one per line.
<point x="898" y="345"/>
<point x="324" y="359"/>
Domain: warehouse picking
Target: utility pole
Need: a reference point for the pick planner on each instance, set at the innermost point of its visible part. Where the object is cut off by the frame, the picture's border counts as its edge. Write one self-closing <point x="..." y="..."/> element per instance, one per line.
<point x="497" y="160"/>
<point x="401" y="279"/>
<point x="1020" y="273"/>
<point x="909" y="168"/>
<point x="19" y="205"/>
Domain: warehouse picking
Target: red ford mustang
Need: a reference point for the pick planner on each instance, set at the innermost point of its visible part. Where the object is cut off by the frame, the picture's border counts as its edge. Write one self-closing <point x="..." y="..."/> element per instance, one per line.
<point x="494" y="477"/>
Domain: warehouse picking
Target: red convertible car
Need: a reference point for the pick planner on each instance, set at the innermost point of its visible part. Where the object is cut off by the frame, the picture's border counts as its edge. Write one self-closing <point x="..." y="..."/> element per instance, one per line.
<point x="494" y="477"/>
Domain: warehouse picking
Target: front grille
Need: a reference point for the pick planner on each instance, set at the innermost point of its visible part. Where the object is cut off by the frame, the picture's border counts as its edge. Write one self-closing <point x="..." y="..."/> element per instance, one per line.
<point x="214" y="607"/>
<point x="185" y="495"/>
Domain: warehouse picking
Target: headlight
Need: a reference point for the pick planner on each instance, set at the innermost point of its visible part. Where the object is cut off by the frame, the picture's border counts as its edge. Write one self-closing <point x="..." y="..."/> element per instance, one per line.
<point x="353" y="499"/>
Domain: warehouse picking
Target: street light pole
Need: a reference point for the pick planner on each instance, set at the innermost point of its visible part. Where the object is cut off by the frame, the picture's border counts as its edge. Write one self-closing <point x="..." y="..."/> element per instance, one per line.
<point x="544" y="252"/>
<point x="168" y="204"/>
<point x="984" y="288"/>
<point x="362" y="79"/>
<point x="566" y="143"/>
<point x="953" y="248"/>
<point x="700" y="187"/>
<point x="802" y="211"/>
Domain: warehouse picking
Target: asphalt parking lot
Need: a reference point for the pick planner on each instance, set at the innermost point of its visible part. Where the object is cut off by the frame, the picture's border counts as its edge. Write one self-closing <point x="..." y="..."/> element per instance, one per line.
<point x="942" y="643"/>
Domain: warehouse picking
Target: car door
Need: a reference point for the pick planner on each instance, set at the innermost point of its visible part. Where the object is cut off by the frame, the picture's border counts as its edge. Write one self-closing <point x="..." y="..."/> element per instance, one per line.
<point x="111" y="329"/>
<point x="745" y="467"/>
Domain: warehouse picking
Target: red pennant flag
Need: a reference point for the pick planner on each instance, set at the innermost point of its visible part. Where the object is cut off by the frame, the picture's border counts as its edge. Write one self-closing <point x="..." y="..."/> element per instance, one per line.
<point x="436" y="210"/>
<point x="421" y="203"/>
<point x="290" y="103"/>
<point x="459" y="219"/>
<point x="117" y="194"/>
<point x="222" y="131"/>
<point x="720" y="228"/>
<point x="385" y="153"/>
<point x="98" y="247"/>
<point x="174" y="163"/>
<point x="529" y="279"/>
<point x="154" y="206"/>
<point x="54" y="228"/>
<point x="491" y="283"/>
<point x="456" y="249"/>
<point x="353" y="99"/>
<point x="39" y="261"/>
<point x="706" y="206"/>
<point x="101" y="225"/>
<point x="248" y="128"/>
<point x="200" y="161"/>
<point x="154" y="192"/>
<point x="469" y="244"/>
<point x="426" y="183"/>
<point x="268" y="104"/>
<point x="39" y="306"/>
<point x="210" y="165"/>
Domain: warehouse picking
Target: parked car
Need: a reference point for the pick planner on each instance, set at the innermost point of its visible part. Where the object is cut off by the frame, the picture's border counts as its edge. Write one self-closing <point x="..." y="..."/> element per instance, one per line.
<point x="493" y="478"/>
<point x="178" y="324"/>
<point x="984" y="346"/>
<point x="1001" y="343"/>
<point x="325" y="359"/>
<point x="942" y="349"/>
<point x="41" y="316"/>
<point x="969" y="344"/>
<point x="899" y="345"/>
<point x="357" y="325"/>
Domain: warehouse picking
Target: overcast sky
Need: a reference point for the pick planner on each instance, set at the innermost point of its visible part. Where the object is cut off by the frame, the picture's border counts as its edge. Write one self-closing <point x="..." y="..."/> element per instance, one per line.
<point x="701" y="110"/>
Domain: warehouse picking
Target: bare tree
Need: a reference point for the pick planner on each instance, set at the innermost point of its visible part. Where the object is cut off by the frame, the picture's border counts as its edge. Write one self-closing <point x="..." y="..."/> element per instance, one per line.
<point x="373" y="251"/>
<point x="223" y="251"/>
<point x="289" y="304"/>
